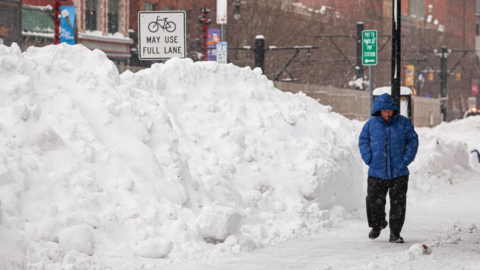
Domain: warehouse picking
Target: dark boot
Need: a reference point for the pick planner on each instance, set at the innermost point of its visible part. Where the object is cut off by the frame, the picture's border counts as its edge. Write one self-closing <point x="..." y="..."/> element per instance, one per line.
<point x="396" y="238"/>
<point x="375" y="232"/>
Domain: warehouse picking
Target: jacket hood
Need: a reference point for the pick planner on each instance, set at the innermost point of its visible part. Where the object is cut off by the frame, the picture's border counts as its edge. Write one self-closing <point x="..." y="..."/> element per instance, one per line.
<point x="384" y="102"/>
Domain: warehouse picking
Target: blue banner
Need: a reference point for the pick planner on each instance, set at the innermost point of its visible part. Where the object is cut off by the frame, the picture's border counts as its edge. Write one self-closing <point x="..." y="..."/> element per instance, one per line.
<point x="67" y="23"/>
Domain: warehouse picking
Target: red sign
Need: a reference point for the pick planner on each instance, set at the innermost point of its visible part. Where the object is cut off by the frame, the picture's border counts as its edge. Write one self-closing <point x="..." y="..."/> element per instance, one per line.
<point x="475" y="86"/>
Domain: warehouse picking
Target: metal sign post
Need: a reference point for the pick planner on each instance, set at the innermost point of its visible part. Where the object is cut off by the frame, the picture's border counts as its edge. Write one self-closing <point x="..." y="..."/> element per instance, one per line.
<point x="370" y="56"/>
<point x="162" y="35"/>
<point x="222" y="12"/>
<point x="222" y="21"/>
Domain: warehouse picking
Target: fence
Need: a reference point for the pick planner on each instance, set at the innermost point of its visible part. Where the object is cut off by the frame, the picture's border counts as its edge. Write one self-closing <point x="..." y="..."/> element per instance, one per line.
<point x="356" y="104"/>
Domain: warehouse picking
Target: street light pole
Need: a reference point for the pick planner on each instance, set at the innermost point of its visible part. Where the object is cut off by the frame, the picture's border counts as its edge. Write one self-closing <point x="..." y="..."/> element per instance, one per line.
<point x="205" y="23"/>
<point x="443" y="82"/>
<point x="56" y="18"/>
<point x="236" y="16"/>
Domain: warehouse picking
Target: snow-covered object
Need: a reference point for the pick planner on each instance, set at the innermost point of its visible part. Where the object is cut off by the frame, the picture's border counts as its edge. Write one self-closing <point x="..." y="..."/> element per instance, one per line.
<point x="388" y="90"/>
<point x="218" y="222"/>
<point x="79" y="238"/>
<point x="114" y="161"/>
<point x="155" y="248"/>
<point x="415" y="252"/>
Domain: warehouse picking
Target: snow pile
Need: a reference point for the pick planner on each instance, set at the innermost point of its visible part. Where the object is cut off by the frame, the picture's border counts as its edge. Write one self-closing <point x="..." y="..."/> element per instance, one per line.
<point x="464" y="130"/>
<point x="183" y="159"/>
<point x="445" y="151"/>
<point x="453" y="235"/>
<point x="12" y="247"/>
<point x="437" y="161"/>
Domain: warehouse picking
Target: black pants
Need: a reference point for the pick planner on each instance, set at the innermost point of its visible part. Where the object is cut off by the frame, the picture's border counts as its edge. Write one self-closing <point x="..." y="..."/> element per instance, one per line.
<point x="377" y="198"/>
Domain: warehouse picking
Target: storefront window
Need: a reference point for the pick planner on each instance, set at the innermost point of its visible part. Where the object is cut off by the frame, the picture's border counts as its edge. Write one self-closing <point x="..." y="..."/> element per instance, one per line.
<point x="91" y="14"/>
<point x="112" y="16"/>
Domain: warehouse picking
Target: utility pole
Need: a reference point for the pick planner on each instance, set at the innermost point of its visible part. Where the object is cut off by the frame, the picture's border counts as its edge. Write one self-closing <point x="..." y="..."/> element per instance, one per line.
<point x="359" y="66"/>
<point x="396" y="51"/>
<point x="444" y="73"/>
<point x="444" y="52"/>
<point x="443" y="82"/>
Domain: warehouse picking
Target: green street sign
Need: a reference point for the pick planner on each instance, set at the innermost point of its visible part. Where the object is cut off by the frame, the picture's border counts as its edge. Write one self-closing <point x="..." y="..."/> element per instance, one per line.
<point x="369" y="48"/>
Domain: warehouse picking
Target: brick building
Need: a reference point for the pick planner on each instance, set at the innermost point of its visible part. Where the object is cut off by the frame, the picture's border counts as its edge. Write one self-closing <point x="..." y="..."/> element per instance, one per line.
<point x="427" y="25"/>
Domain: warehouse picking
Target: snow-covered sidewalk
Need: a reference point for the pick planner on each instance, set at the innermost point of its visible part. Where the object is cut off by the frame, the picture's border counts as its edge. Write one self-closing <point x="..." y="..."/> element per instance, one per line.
<point x="443" y="220"/>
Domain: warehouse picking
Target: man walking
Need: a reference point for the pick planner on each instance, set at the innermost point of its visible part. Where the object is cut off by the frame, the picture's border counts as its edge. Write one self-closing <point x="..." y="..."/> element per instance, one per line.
<point x="388" y="144"/>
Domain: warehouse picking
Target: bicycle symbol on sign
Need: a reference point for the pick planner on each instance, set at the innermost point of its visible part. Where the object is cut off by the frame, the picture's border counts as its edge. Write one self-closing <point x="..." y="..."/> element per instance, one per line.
<point x="167" y="25"/>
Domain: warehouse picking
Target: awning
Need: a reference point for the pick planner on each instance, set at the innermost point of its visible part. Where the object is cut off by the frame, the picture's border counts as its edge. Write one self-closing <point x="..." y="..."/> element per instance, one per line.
<point x="37" y="21"/>
<point x="113" y="47"/>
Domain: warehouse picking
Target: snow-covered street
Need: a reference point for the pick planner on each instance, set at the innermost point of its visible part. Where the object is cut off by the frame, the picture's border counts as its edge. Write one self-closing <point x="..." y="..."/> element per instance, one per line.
<point x="443" y="220"/>
<point x="205" y="166"/>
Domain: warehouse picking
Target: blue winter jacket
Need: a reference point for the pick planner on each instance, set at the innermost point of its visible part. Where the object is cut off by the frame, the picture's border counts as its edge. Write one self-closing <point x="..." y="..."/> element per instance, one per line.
<point x="388" y="147"/>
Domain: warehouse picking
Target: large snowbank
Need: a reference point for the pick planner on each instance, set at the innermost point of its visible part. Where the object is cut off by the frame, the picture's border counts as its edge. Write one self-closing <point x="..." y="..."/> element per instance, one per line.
<point x="181" y="160"/>
<point x="437" y="162"/>
<point x="465" y="130"/>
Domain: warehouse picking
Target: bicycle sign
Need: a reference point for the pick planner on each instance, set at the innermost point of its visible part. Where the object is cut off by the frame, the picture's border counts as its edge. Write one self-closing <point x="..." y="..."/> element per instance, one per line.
<point x="167" y="25"/>
<point x="161" y="35"/>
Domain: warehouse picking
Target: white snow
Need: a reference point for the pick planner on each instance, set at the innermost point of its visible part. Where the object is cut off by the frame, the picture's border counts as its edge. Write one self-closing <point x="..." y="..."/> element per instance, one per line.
<point x="78" y="238"/>
<point x="154" y="248"/>
<point x="182" y="161"/>
<point x="219" y="222"/>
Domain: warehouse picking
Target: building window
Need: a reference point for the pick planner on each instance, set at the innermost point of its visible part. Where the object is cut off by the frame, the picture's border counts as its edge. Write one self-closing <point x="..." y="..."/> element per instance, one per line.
<point x="387" y="8"/>
<point x="91" y="14"/>
<point x="149" y="6"/>
<point x="417" y="8"/>
<point x="421" y="8"/>
<point x="478" y="29"/>
<point x="113" y="16"/>
<point x="168" y="7"/>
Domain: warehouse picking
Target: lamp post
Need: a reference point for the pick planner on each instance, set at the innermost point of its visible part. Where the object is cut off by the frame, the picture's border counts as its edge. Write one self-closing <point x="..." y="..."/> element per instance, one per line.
<point x="56" y="19"/>
<point x="236" y="13"/>
<point x="205" y="23"/>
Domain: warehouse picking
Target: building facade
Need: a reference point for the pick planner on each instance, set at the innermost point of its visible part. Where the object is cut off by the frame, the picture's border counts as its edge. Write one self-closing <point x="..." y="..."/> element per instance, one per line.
<point x="99" y="24"/>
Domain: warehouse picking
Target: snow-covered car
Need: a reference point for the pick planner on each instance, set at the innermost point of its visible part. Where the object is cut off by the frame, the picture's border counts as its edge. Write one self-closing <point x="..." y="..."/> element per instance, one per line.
<point x="471" y="112"/>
